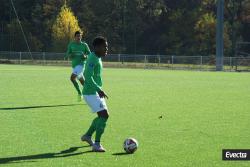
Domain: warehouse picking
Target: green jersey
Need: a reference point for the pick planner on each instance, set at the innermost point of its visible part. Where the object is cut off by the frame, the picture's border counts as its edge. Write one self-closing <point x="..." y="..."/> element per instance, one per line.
<point x="92" y="74"/>
<point x="76" y="52"/>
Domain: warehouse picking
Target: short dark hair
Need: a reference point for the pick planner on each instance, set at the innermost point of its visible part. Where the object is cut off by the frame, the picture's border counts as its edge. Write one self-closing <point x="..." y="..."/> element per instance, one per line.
<point x="99" y="41"/>
<point x="77" y="32"/>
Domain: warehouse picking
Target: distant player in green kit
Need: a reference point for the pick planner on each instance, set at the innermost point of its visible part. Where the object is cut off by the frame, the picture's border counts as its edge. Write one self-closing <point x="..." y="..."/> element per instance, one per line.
<point x="77" y="52"/>
<point x="94" y="95"/>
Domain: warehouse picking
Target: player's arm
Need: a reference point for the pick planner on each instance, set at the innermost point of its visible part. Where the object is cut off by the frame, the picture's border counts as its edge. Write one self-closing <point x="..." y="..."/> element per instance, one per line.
<point x="68" y="52"/>
<point x="89" y="73"/>
<point x="102" y="94"/>
<point x="87" y="51"/>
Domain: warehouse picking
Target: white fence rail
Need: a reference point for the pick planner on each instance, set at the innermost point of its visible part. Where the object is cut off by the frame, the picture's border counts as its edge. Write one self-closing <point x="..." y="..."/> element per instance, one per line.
<point x="133" y="61"/>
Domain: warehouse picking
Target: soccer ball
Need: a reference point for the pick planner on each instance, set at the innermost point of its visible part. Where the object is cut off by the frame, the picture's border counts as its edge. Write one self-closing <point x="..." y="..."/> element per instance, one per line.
<point x="130" y="145"/>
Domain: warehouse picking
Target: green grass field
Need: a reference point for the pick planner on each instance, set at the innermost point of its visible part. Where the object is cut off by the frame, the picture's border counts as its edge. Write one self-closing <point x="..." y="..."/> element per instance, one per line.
<point x="202" y="112"/>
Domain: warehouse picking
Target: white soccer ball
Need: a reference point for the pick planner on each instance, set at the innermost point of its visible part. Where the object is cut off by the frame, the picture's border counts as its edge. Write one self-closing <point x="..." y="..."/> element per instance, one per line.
<point x="130" y="145"/>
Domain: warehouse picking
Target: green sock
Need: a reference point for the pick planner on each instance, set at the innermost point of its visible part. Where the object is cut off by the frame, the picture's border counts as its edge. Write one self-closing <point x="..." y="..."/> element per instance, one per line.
<point x="76" y="87"/>
<point x="92" y="127"/>
<point x="100" y="126"/>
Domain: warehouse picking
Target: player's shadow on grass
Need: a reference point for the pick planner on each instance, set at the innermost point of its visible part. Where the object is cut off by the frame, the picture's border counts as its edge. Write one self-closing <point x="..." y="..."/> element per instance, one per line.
<point x="45" y="106"/>
<point x="30" y="158"/>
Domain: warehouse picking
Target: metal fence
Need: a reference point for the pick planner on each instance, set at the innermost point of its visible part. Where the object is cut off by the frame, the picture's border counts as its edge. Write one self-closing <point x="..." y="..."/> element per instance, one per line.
<point x="203" y="63"/>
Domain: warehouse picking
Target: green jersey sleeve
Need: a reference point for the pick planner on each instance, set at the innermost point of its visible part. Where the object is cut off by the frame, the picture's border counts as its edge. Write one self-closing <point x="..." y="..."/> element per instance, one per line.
<point x="69" y="51"/>
<point x="87" y="50"/>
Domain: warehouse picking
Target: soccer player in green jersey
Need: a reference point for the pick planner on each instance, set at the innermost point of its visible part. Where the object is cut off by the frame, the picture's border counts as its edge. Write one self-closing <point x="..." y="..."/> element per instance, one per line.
<point x="94" y="95"/>
<point x="77" y="51"/>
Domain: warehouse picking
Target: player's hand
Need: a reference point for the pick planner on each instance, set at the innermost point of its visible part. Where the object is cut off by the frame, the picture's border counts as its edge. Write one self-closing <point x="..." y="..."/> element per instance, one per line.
<point x="102" y="94"/>
<point x="85" y="56"/>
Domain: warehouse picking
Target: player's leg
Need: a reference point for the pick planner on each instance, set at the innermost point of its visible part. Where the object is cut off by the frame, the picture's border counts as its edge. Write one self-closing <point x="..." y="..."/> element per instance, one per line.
<point x="81" y="79"/>
<point x="98" y="105"/>
<point x="101" y="124"/>
<point x="73" y="80"/>
<point x="77" y="72"/>
<point x="100" y="127"/>
<point x="88" y="135"/>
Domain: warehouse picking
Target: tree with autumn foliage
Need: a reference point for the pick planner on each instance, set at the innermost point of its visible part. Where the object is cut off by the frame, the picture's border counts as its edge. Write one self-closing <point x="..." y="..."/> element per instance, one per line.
<point x="63" y="29"/>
